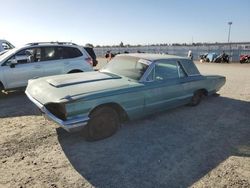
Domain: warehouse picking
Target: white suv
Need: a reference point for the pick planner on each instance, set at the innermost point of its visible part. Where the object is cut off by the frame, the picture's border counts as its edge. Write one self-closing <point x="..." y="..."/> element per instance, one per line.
<point x="34" y="60"/>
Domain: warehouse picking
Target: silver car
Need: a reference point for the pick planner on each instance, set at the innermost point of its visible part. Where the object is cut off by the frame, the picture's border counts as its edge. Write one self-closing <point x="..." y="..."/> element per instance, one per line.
<point x="34" y="60"/>
<point x="5" y="45"/>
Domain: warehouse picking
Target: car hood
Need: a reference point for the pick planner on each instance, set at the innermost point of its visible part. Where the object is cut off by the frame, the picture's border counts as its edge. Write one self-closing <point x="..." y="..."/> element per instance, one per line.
<point x="63" y="88"/>
<point x="75" y="79"/>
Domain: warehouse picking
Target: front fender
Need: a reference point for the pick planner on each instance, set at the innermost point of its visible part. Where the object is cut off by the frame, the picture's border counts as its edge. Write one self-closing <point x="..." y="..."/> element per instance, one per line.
<point x="132" y="104"/>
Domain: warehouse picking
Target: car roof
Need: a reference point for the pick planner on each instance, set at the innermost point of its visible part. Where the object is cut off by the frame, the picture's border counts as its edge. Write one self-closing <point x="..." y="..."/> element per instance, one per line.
<point x="152" y="57"/>
<point x="44" y="44"/>
<point x="50" y="44"/>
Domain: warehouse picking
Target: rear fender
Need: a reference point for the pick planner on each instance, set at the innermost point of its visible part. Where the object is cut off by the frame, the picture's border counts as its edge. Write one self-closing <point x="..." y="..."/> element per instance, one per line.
<point x="77" y="64"/>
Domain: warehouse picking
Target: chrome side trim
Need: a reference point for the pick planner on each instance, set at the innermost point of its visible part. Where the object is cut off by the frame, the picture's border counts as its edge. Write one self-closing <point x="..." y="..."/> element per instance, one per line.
<point x="68" y="125"/>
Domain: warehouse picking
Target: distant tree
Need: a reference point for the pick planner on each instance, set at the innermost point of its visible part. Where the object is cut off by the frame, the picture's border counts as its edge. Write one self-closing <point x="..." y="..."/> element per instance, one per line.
<point x="89" y="45"/>
<point x="121" y="44"/>
<point x="176" y="44"/>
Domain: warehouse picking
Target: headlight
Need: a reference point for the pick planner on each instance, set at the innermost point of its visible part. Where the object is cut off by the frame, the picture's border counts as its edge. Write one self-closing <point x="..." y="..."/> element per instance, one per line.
<point x="57" y="110"/>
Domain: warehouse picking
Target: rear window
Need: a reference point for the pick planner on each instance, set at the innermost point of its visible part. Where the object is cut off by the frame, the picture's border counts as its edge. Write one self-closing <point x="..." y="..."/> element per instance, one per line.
<point x="69" y="52"/>
<point x="189" y="67"/>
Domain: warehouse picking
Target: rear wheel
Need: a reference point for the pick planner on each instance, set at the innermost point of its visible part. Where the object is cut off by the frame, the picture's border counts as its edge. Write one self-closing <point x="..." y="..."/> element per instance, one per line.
<point x="103" y="123"/>
<point x="196" y="99"/>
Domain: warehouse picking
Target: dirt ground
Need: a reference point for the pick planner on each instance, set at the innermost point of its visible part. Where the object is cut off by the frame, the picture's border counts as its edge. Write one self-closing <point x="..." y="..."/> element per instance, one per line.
<point x="203" y="146"/>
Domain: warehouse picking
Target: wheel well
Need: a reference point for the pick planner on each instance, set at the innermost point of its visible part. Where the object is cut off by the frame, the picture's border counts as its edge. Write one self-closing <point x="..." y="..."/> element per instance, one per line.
<point x="1" y="86"/>
<point x="75" y="71"/>
<point x="123" y="116"/>
<point x="203" y="91"/>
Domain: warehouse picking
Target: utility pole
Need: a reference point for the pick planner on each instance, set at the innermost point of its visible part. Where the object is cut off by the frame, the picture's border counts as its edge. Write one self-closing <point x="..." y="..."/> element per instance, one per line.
<point x="229" y="32"/>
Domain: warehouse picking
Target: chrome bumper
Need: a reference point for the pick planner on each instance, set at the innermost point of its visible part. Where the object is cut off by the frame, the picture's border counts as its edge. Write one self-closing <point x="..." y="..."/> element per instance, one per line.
<point x="70" y="125"/>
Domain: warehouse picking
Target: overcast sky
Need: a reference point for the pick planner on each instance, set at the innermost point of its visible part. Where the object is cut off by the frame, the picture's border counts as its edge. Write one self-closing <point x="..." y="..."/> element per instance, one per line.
<point x="108" y="22"/>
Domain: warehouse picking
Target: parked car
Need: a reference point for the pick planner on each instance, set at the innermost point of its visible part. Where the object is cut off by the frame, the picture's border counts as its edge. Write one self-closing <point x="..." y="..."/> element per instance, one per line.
<point x="5" y="45"/>
<point x="213" y="57"/>
<point x="91" y="52"/>
<point x="244" y="59"/>
<point x="130" y="86"/>
<point x="209" y="57"/>
<point x="34" y="60"/>
<point x="222" y="58"/>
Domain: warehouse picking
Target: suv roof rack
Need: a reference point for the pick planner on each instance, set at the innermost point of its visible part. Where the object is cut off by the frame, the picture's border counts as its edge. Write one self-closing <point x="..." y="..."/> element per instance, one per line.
<point x="60" y="43"/>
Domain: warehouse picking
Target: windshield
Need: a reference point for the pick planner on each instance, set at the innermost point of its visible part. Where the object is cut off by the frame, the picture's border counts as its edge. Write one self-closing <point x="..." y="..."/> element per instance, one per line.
<point x="7" y="54"/>
<point x="131" y="67"/>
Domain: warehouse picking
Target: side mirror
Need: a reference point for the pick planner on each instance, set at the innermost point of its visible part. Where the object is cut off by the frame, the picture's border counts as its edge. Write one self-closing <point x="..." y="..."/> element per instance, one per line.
<point x="13" y="63"/>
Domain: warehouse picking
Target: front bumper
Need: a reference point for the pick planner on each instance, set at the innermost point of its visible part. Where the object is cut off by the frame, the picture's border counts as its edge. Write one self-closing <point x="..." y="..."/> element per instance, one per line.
<point x="69" y="125"/>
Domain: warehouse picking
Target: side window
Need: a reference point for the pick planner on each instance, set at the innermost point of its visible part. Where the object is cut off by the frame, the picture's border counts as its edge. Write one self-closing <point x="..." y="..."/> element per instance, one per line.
<point x="60" y="52"/>
<point x="22" y="56"/>
<point x="6" y="46"/>
<point x="181" y="72"/>
<point x="33" y="55"/>
<point x="151" y="76"/>
<point x="69" y="52"/>
<point x="165" y="70"/>
<point x="29" y="55"/>
<point x="49" y="53"/>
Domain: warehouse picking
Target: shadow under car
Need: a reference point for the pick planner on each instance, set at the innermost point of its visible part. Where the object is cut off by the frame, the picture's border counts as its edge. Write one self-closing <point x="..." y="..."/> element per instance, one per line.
<point x="172" y="149"/>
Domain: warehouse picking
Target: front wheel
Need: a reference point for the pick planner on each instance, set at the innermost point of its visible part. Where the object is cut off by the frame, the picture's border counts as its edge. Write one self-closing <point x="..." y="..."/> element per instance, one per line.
<point x="103" y="123"/>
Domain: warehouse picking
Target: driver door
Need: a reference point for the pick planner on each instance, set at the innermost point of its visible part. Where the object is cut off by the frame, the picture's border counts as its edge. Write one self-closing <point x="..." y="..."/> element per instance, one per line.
<point x="21" y="67"/>
<point x="164" y="88"/>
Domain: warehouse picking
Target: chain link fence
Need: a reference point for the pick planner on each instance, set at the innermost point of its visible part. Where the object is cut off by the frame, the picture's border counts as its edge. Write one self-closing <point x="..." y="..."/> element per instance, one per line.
<point x="233" y="50"/>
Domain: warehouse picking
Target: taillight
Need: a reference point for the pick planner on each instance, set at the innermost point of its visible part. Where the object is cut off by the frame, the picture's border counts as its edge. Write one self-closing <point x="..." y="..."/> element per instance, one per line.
<point x="89" y="60"/>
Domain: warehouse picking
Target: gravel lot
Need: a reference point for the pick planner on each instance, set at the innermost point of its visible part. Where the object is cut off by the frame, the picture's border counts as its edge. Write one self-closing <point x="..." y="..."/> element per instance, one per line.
<point x="203" y="146"/>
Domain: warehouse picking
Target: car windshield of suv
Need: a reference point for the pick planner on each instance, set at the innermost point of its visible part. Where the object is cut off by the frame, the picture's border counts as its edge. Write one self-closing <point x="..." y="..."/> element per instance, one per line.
<point x="127" y="66"/>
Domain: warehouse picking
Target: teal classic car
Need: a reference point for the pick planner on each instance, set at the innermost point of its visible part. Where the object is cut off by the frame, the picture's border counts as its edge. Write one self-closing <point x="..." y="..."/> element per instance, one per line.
<point x="130" y="86"/>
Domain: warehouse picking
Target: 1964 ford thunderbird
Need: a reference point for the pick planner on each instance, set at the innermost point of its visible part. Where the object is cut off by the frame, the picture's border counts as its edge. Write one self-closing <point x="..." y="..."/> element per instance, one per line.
<point x="130" y="86"/>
